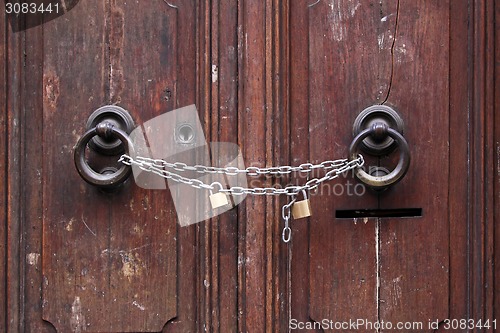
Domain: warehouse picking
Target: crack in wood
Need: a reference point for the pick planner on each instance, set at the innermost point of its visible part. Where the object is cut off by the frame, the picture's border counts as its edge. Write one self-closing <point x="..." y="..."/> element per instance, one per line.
<point x="392" y="53"/>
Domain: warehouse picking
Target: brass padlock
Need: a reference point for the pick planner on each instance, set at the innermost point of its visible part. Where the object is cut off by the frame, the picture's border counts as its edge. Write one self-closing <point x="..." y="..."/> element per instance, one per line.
<point x="219" y="199"/>
<point x="302" y="208"/>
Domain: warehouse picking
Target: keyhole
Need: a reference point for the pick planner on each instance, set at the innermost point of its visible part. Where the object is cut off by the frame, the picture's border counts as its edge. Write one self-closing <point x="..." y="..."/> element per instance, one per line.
<point x="185" y="134"/>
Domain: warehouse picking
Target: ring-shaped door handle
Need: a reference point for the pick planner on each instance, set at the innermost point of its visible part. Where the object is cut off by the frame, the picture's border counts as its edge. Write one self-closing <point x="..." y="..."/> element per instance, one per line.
<point x="382" y="182"/>
<point x="102" y="180"/>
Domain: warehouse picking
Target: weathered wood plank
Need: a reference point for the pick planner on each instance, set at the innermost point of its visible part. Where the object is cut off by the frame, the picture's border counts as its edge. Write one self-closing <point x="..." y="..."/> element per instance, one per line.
<point x="224" y="128"/>
<point x="282" y="157"/>
<point x="3" y="170"/>
<point x="458" y="159"/>
<point x="340" y="65"/>
<point x="496" y="118"/>
<point x="252" y="140"/>
<point x="109" y="261"/>
<point x="75" y="220"/>
<point x="32" y="201"/>
<point x="13" y="228"/>
<point x="233" y="273"/>
<point x="144" y="46"/>
<point x="481" y="138"/>
<point x="185" y="57"/>
<point x="297" y="274"/>
<point x="415" y="253"/>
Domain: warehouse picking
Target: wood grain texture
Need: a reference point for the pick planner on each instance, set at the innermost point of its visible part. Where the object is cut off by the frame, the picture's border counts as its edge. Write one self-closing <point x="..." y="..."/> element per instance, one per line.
<point x="32" y="190"/>
<point x="354" y="75"/>
<point x="458" y="194"/>
<point x="340" y="64"/>
<point x="415" y="280"/>
<point x="224" y="128"/>
<point x="76" y="227"/>
<point x="3" y="172"/>
<point x="421" y="41"/>
<point x="117" y="260"/>
<point x="283" y="293"/>
<point x="496" y="199"/>
<point x="188" y="61"/>
<point x="13" y="123"/>
<point x="481" y="140"/>
<point x="253" y="113"/>
<point x="285" y="80"/>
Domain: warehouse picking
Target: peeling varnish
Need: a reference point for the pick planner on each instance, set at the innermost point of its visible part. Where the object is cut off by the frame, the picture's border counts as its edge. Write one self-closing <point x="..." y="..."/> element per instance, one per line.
<point x="116" y="38"/>
<point x="52" y="90"/>
<point x="139" y="306"/>
<point x="132" y="264"/>
<point x="32" y="258"/>
<point x="404" y="52"/>
<point x="69" y="225"/>
<point x="215" y="73"/>
<point x="145" y="203"/>
<point x="338" y="15"/>
<point x="137" y="229"/>
<point x="77" y="320"/>
<point x="397" y="292"/>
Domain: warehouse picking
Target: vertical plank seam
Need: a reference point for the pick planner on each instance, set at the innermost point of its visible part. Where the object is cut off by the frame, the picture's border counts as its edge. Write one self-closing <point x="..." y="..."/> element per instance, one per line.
<point x="489" y="158"/>
<point x="108" y="26"/>
<point x="213" y="16"/>
<point x="283" y="306"/>
<point x="478" y="139"/>
<point x="22" y="190"/>
<point x="205" y="73"/>
<point x="4" y="176"/>
<point x="470" y="80"/>
<point x="378" y="270"/>
<point x="242" y="208"/>
<point x="378" y="243"/>
<point x="269" y="149"/>
<point x="13" y="184"/>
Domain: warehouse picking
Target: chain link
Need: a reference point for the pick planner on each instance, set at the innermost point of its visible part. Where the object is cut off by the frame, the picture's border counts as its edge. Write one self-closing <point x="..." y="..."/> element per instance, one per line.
<point x="159" y="167"/>
<point x="333" y="170"/>
<point x="250" y="171"/>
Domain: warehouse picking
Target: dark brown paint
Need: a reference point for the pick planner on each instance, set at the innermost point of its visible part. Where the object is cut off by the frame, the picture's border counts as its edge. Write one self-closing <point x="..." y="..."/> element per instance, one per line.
<point x="291" y="78"/>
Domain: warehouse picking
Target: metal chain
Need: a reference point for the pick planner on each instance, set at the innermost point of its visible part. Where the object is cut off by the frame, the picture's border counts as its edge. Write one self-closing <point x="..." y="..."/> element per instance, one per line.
<point x="334" y="169"/>
<point x="159" y="167"/>
<point x="286" y="234"/>
<point x="233" y="171"/>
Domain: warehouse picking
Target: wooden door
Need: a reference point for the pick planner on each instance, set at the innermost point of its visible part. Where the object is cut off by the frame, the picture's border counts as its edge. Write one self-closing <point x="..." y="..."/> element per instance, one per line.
<point x="285" y="80"/>
<point x="344" y="57"/>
